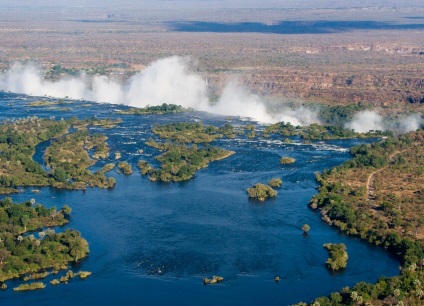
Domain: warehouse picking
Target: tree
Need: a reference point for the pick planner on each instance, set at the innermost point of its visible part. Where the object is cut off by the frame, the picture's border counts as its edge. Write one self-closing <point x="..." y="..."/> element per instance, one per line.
<point x="50" y="233"/>
<point x="25" y="221"/>
<point x="3" y="255"/>
<point x="66" y="210"/>
<point x="53" y="213"/>
<point x="78" y="248"/>
<point x="261" y="192"/>
<point x="275" y="182"/>
<point x="60" y="174"/>
<point x="306" y="228"/>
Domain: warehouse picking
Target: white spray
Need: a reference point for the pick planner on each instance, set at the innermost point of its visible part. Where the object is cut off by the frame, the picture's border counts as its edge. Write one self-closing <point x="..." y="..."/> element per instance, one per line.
<point x="370" y="120"/>
<point x="167" y="80"/>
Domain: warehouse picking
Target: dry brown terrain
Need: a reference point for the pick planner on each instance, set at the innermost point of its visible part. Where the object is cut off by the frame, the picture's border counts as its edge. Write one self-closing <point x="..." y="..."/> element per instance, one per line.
<point x="380" y="63"/>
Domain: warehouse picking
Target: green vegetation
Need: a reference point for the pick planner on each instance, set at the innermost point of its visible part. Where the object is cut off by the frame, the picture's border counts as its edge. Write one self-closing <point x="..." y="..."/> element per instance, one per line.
<point x="84" y="274"/>
<point x="193" y="132"/>
<point x="159" y="110"/>
<point x="46" y="103"/>
<point x="180" y="162"/>
<point x="55" y="282"/>
<point x="228" y="131"/>
<point x="69" y="158"/>
<point x="287" y="160"/>
<point x="70" y="275"/>
<point x="339" y="115"/>
<point x="338" y="256"/>
<point x="319" y="132"/>
<point x="355" y="198"/>
<point x="187" y="132"/>
<point x="57" y="70"/>
<point x="275" y="182"/>
<point x="18" y="139"/>
<point x="36" y="276"/>
<point x="405" y="289"/>
<point x="125" y="168"/>
<point x="21" y="254"/>
<point x="378" y="196"/>
<point x="144" y="167"/>
<point x="261" y="192"/>
<point x="29" y="287"/>
<point x="17" y="145"/>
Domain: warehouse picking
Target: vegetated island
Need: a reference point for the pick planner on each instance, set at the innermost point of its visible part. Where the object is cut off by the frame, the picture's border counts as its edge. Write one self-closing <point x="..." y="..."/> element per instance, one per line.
<point x="192" y="132"/>
<point x="338" y="256"/>
<point x="287" y="160"/>
<point x="24" y="250"/>
<point x="320" y="132"/>
<point x="30" y="287"/>
<point x="68" y="156"/>
<point x="275" y="182"/>
<point x="157" y="110"/>
<point x="125" y="167"/>
<point x="378" y="196"/>
<point x="261" y="192"/>
<point x="180" y="161"/>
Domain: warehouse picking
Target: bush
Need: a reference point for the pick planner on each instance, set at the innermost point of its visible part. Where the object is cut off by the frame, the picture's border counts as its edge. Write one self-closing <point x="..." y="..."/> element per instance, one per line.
<point x="261" y="192"/>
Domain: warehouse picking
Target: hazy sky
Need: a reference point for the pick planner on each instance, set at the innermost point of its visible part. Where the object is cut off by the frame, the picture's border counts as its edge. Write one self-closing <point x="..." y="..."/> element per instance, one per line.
<point x="215" y="3"/>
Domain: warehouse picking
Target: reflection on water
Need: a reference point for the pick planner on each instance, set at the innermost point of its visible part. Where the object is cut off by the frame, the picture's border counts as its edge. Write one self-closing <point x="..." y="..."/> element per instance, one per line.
<point x="152" y="243"/>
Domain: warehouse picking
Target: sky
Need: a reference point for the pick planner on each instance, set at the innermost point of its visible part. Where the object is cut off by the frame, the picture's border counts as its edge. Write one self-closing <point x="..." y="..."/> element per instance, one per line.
<point x="215" y="3"/>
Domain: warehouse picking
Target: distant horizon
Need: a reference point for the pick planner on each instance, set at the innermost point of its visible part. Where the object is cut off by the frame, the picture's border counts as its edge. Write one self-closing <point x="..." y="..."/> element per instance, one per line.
<point x="198" y="4"/>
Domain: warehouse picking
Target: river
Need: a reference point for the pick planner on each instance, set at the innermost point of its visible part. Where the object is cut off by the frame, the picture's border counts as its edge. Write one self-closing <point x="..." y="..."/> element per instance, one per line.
<point x="152" y="243"/>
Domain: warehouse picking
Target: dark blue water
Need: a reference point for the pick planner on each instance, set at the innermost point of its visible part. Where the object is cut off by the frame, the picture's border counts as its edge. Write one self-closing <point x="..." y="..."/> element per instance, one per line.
<point x="292" y="27"/>
<point x="152" y="243"/>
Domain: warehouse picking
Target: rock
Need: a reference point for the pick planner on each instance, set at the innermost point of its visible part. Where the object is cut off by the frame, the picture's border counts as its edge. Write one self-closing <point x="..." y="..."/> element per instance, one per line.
<point x="64" y="279"/>
<point x="215" y="279"/>
<point x="84" y="274"/>
<point x="55" y="282"/>
<point x="218" y="278"/>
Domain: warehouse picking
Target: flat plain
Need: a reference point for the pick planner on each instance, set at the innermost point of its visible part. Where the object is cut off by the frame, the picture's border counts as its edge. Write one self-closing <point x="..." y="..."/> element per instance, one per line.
<point x="369" y="55"/>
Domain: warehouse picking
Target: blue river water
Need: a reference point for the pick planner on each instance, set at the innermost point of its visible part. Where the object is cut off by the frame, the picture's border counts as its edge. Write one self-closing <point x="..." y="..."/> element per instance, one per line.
<point x="152" y="243"/>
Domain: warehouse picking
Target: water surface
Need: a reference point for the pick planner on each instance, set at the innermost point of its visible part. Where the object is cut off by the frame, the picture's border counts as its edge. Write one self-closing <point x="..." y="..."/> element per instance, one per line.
<point x="152" y="243"/>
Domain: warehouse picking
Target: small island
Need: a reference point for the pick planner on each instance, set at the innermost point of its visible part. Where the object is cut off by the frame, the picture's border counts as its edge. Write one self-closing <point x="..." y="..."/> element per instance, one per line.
<point x="338" y="256"/>
<point x="125" y="168"/>
<point x="187" y="132"/>
<point x="30" y="287"/>
<point x="180" y="163"/>
<point x="320" y="132"/>
<point x="275" y="182"/>
<point x="261" y="192"/>
<point x="287" y="160"/>
<point x="157" y="110"/>
<point x="186" y="151"/>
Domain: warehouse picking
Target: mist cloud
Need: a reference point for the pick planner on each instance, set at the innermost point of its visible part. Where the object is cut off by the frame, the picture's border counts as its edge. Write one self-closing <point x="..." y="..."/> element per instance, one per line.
<point x="365" y="121"/>
<point x="167" y="80"/>
<point x="368" y="120"/>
